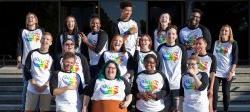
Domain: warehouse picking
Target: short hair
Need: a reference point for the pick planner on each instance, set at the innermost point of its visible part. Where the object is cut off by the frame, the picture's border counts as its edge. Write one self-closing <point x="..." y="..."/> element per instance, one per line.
<point x="202" y="38"/>
<point x="194" y="57"/>
<point x="125" y="4"/>
<point x="68" y="55"/>
<point x="48" y="33"/>
<point x="172" y="27"/>
<point x="150" y="56"/>
<point x="198" y="11"/>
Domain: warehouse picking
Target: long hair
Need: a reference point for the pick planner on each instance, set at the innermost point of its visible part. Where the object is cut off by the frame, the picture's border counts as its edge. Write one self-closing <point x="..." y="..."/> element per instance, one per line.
<point x="231" y="37"/>
<point x="26" y="21"/>
<point x="159" y="28"/>
<point x="149" y="38"/>
<point x="101" y="74"/>
<point x="75" y="31"/>
<point x="122" y="49"/>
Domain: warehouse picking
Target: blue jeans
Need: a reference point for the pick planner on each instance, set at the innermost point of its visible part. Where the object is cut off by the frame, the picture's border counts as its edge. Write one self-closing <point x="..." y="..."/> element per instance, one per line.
<point x="23" y="99"/>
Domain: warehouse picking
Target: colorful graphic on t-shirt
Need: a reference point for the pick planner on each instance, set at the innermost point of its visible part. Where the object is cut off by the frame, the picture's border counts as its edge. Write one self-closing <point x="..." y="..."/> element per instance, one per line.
<point x="149" y="85"/>
<point x="74" y="69"/>
<point x="69" y="80"/>
<point x="40" y="63"/>
<point x="161" y="39"/>
<point x="191" y="40"/>
<point x="109" y="90"/>
<point x="118" y="59"/>
<point x="203" y="66"/>
<point x="170" y="56"/>
<point x="222" y="49"/>
<point x="188" y="84"/>
<point x="33" y="37"/>
<point x="92" y="41"/>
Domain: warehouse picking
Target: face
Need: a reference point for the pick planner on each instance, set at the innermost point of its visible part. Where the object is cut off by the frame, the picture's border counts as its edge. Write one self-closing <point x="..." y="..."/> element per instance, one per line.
<point x="69" y="46"/>
<point x="144" y="42"/>
<point x="95" y="24"/>
<point x="68" y="64"/>
<point x="110" y="71"/>
<point x="165" y="18"/>
<point x="195" y="18"/>
<point x="117" y="43"/>
<point x="200" y="45"/>
<point x="150" y="64"/>
<point x="31" y="19"/>
<point x="171" y="35"/>
<point x="224" y="33"/>
<point x="46" y="41"/>
<point x="192" y="64"/>
<point x="71" y="23"/>
<point x="126" y="12"/>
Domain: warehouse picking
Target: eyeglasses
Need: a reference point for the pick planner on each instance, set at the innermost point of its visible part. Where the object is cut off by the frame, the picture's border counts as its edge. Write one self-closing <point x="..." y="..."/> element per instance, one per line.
<point x="191" y="64"/>
<point x="69" y="44"/>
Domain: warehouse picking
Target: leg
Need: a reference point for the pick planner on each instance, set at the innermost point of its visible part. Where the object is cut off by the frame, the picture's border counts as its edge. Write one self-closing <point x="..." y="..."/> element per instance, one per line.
<point x="226" y="85"/>
<point x="31" y="101"/>
<point x="217" y="81"/>
<point x="24" y="91"/>
<point x="44" y="103"/>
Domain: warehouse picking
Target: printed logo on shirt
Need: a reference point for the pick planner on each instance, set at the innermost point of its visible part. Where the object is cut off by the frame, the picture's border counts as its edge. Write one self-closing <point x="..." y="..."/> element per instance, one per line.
<point x="170" y="56"/>
<point x="188" y="84"/>
<point x="109" y="90"/>
<point x="40" y="63"/>
<point x="203" y="66"/>
<point x="222" y="49"/>
<point x="161" y="39"/>
<point x="69" y="79"/>
<point x="149" y="85"/>
<point x="33" y="37"/>
<point x="75" y="68"/>
<point x="118" y="59"/>
<point x="191" y="40"/>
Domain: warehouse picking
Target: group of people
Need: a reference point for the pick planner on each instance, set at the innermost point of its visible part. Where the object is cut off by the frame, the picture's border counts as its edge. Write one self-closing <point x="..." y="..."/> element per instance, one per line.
<point x="126" y="71"/>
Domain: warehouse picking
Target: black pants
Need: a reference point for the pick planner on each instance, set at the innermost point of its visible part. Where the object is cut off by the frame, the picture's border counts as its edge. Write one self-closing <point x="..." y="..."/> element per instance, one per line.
<point x="225" y="91"/>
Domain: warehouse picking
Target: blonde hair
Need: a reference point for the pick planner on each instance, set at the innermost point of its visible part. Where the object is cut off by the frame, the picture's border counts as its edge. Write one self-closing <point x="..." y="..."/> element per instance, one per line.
<point x="231" y="37"/>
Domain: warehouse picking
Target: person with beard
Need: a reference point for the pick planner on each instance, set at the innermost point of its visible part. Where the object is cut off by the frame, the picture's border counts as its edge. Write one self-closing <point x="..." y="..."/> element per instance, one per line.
<point x="190" y="32"/>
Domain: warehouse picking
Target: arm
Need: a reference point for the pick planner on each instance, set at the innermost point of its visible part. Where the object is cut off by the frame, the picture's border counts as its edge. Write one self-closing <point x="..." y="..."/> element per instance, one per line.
<point x="130" y="65"/>
<point x="102" y="40"/>
<point x="183" y="60"/>
<point x="128" y="97"/>
<point x="19" y="49"/>
<point x="204" y="81"/>
<point x="27" y="67"/>
<point x="207" y="36"/>
<point x="86" y="100"/>
<point x="86" y="71"/>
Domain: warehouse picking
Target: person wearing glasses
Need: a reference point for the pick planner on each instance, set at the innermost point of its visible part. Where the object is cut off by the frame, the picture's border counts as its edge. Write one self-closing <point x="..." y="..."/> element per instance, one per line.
<point x="190" y="32"/>
<point x="194" y="86"/>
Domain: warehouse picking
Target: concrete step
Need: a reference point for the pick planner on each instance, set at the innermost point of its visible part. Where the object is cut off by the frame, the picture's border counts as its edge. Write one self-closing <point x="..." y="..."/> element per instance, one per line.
<point x="238" y="89"/>
<point x="15" y="108"/>
<point x="236" y="108"/>
<point x="238" y="98"/>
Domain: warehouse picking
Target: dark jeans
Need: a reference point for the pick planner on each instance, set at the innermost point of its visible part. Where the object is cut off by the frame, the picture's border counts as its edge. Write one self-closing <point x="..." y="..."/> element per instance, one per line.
<point x="225" y="91"/>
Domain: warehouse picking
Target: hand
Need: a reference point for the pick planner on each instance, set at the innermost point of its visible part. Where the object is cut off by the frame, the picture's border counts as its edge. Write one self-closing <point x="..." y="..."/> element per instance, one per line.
<point x="132" y="30"/>
<point x="127" y="76"/>
<point x="191" y="71"/>
<point x="84" y="109"/>
<point x="72" y="87"/>
<point x="84" y="37"/>
<point x="41" y="88"/>
<point x="143" y="96"/>
<point x="151" y="95"/>
<point x="19" y="65"/>
<point x="124" y="104"/>
<point x="230" y="76"/>
<point x="210" y="94"/>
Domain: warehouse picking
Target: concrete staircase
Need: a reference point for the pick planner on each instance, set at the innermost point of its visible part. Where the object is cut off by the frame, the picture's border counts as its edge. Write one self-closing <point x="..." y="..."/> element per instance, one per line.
<point x="11" y="88"/>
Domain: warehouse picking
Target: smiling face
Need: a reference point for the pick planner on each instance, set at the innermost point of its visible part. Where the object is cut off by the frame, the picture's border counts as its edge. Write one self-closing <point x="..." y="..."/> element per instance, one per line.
<point x="46" y="41"/>
<point x="95" y="24"/>
<point x="150" y="64"/>
<point x="145" y="42"/>
<point x="165" y="19"/>
<point x="171" y="36"/>
<point x="192" y="64"/>
<point x="225" y="33"/>
<point x="200" y="45"/>
<point x="70" y="22"/>
<point x="195" y="19"/>
<point x="69" y="46"/>
<point x="68" y="63"/>
<point x="110" y="71"/>
<point x="116" y="43"/>
<point x="31" y="19"/>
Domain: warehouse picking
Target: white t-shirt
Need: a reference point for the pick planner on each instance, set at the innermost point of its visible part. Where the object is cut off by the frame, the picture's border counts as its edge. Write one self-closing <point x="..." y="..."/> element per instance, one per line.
<point x="40" y="65"/>
<point x="159" y="39"/>
<point x="31" y="40"/>
<point x="124" y="26"/>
